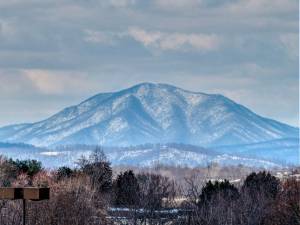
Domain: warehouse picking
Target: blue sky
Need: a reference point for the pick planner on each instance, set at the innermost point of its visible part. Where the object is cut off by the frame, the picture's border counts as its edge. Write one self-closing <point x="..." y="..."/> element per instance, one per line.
<point x="55" y="53"/>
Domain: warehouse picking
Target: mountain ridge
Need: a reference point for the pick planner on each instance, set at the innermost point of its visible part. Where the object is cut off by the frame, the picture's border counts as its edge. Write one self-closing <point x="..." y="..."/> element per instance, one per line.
<point x="151" y="113"/>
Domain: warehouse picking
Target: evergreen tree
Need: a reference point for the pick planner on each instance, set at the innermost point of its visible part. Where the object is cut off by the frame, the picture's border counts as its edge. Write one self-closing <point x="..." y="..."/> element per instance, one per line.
<point x="261" y="183"/>
<point x="30" y="167"/>
<point x="214" y="191"/>
<point x="126" y="189"/>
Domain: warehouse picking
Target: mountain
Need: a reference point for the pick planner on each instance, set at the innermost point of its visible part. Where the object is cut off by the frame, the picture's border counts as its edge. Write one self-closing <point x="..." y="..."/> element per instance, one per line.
<point x="151" y="113"/>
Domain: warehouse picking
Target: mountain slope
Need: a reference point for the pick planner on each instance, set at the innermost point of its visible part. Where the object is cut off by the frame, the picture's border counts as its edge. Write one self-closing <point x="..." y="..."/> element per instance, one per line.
<point x="151" y="113"/>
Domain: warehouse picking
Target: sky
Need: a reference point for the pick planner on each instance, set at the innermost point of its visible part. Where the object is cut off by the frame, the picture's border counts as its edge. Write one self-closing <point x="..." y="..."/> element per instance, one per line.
<point x="56" y="53"/>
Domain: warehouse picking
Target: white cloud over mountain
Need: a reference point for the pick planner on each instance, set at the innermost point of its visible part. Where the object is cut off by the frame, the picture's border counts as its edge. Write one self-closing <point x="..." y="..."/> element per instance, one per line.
<point x="175" y="41"/>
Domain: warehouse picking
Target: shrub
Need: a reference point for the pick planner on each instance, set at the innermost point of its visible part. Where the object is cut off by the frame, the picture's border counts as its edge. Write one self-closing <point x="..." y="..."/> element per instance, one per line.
<point x="64" y="172"/>
<point x="154" y="188"/>
<point x="72" y="202"/>
<point x="8" y="172"/>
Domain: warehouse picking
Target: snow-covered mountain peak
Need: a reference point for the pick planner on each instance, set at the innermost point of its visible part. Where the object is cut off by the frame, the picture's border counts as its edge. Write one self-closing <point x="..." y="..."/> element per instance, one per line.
<point x="151" y="113"/>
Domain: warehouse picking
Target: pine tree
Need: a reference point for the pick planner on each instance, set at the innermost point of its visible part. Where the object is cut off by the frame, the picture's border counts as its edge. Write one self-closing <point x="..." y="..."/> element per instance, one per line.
<point x="126" y="189"/>
<point x="261" y="183"/>
<point x="223" y="189"/>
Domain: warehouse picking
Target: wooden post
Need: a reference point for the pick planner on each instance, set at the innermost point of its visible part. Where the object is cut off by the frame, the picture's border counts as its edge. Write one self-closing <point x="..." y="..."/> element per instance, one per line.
<point x="24" y="211"/>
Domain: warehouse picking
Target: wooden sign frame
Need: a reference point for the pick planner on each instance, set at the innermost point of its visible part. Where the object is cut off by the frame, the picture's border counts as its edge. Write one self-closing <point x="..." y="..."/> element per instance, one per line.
<point x="28" y="193"/>
<point x="25" y="193"/>
<point x="11" y="193"/>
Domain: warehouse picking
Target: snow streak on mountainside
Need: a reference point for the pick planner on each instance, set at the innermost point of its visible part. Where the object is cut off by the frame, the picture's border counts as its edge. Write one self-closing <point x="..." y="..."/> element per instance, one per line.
<point x="151" y="113"/>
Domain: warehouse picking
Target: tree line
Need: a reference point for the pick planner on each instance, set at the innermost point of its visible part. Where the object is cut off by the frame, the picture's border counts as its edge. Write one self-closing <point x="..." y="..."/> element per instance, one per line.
<point x="92" y="194"/>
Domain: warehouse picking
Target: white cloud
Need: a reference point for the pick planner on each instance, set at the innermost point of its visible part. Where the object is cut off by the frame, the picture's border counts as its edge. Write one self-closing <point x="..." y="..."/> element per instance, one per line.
<point x="44" y="81"/>
<point x="56" y="82"/>
<point x="158" y="39"/>
<point x="199" y="41"/>
<point x="67" y="83"/>
<point x="175" y="41"/>
<point x="147" y="38"/>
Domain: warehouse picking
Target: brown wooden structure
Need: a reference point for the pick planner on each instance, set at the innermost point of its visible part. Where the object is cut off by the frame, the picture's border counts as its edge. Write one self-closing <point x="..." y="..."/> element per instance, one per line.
<point x="36" y="194"/>
<point x="11" y="193"/>
<point x="26" y="193"/>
